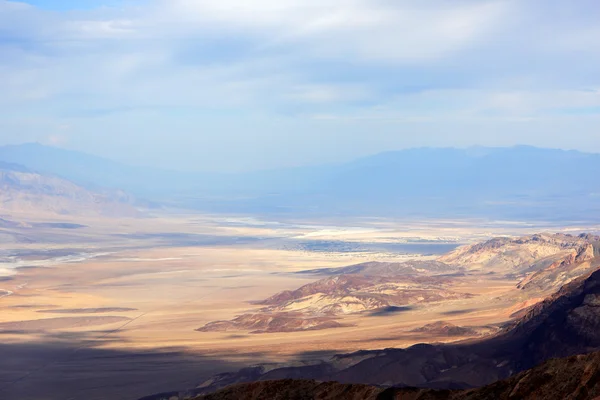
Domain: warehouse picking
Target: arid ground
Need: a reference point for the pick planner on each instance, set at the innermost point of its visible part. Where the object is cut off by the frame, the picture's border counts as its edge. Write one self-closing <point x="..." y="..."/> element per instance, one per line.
<point x="110" y="307"/>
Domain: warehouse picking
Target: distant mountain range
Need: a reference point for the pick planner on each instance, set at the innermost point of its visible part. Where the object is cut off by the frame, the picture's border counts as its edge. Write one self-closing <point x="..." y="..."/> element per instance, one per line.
<point x="522" y="182"/>
<point x="94" y="172"/>
<point x="23" y="190"/>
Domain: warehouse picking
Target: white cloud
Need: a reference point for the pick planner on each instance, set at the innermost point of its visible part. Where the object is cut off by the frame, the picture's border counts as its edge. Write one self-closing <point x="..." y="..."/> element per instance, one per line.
<point x="404" y="62"/>
<point x="392" y="31"/>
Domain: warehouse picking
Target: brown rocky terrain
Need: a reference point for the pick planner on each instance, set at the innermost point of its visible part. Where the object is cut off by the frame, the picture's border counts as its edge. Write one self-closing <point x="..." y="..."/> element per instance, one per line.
<point x="272" y="322"/>
<point x="353" y="293"/>
<point x="539" y="265"/>
<point x="576" y="377"/>
<point x="314" y="306"/>
<point x="444" y="328"/>
<point x="525" y="254"/>
<point x="565" y="324"/>
<point x="560" y="272"/>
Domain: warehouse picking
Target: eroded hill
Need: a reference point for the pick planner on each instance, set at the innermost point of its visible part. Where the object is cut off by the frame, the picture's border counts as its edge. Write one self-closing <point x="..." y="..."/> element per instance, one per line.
<point x="566" y="323"/>
<point x="318" y="304"/>
<point x="537" y="264"/>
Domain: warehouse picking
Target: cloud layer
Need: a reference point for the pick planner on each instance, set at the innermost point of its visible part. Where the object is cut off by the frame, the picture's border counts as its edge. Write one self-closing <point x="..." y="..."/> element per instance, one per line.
<point x="235" y="84"/>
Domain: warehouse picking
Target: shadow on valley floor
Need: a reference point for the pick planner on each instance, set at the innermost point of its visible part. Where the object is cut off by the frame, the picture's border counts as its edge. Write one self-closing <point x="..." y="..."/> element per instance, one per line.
<point x="390" y="310"/>
<point x="72" y="366"/>
<point x="459" y="312"/>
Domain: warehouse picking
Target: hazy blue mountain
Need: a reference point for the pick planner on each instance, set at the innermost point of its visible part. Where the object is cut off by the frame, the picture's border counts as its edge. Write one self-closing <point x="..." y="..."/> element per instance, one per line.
<point x="516" y="182"/>
<point x="448" y="172"/>
<point x="94" y="171"/>
<point x="6" y="166"/>
<point x="25" y="190"/>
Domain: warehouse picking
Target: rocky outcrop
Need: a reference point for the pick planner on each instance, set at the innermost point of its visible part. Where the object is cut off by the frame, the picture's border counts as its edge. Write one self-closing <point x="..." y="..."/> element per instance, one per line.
<point x="315" y="305"/>
<point x="525" y="254"/>
<point x="268" y="323"/>
<point x="371" y="291"/>
<point x="539" y="264"/>
<point x="565" y="324"/>
<point x="443" y="328"/>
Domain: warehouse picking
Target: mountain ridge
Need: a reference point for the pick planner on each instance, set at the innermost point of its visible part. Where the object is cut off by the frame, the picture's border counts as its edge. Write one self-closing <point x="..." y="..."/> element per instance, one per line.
<point x="23" y="190"/>
<point x="573" y="378"/>
<point x="511" y="182"/>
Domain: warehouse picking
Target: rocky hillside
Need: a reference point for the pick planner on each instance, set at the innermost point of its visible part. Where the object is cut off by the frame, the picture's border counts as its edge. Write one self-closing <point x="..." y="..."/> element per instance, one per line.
<point x="315" y="305"/>
<point x="538" y="264"/>
<point x="444" y="328"/>
<point x="24" y="190"/>
<point x="269" y="322"/>
<point x="333" y="292"/>
<point x="524" y="254"/>
<point x="541" y="263"/>
<point x="573" y="378"/>
<point x="565" y="324"/>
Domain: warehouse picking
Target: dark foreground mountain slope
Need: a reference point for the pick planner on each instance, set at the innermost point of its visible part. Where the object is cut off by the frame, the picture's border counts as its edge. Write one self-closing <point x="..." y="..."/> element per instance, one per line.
<point x="567" y="323"/>
<point x="573" y="378"/>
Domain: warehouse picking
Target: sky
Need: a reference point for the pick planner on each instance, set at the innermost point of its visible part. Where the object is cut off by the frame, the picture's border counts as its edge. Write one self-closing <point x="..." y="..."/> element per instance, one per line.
<point x="234" y="85"/>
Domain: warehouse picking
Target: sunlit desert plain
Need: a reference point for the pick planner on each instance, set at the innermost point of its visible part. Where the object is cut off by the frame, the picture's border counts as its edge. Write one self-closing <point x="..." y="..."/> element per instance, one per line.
<point x="135" y="306"/>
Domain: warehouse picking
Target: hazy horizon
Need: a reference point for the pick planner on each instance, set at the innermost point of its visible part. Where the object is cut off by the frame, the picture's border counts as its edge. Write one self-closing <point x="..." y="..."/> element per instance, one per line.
<point x="167" y="167"/>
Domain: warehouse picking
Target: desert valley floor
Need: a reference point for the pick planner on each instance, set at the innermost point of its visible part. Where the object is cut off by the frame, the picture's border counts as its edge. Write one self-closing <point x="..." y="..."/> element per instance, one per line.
<point x="134" y="306"/>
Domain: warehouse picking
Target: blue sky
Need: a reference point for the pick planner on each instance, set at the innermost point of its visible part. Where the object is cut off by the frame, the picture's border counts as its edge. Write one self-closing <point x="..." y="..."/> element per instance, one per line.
<point x="239" y="84"/>
<point x="66" y="5"/>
